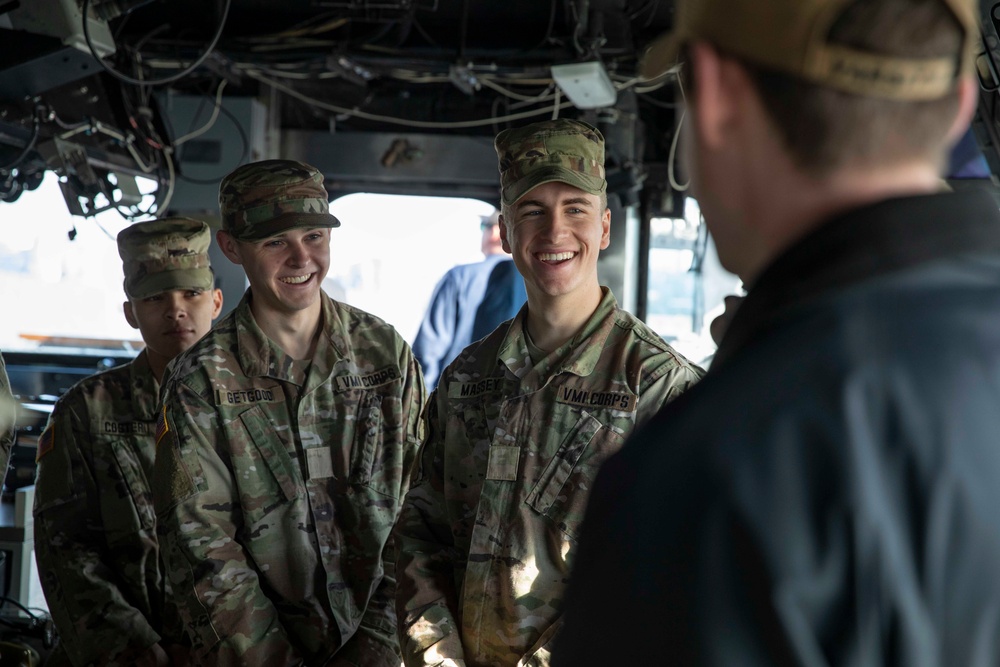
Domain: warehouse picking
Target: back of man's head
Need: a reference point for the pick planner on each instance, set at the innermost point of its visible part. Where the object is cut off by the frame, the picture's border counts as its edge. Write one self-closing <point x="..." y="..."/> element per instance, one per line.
<point x="845" y="82"/>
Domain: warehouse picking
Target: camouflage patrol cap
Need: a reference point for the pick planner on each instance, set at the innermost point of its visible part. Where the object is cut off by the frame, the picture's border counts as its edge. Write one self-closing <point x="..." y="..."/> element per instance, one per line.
<point x="793" y="37"/>
<point x="167" y="254"/>
<point x="562" y="150"/>
<point x="265" y="198"/>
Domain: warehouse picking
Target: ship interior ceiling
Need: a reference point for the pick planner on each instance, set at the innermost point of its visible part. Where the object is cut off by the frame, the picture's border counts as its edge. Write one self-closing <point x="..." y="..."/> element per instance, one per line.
<point x="399" y="96"/>
<point x="383" y="96"/>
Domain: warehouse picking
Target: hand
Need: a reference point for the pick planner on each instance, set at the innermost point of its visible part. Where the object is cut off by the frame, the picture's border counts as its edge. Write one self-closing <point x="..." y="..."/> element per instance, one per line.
<point x="154" y="656"/>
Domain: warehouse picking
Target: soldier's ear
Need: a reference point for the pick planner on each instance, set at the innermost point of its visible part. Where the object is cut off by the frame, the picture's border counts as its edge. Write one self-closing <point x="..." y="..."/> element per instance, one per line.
<point x="228" y="246"/>
<point x="216" y="302"/>
<point x="130" y="315"/>
<point x="503" y="235"/>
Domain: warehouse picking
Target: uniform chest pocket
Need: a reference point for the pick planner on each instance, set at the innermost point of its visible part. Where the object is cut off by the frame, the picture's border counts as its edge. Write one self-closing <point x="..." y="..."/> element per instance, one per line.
<point x="125" y="496"/>
<point x="566" y="481"/>
<point x="379" y="444"/>
<point x="265" y="473"/>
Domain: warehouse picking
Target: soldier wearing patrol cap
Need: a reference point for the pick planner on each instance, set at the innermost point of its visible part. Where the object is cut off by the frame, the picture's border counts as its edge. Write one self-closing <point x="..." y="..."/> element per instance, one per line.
<point x="828" y="494"/>
<point x="285" y="448"/>
<point x="95" y="535"/>
<point x="522" y="420"/>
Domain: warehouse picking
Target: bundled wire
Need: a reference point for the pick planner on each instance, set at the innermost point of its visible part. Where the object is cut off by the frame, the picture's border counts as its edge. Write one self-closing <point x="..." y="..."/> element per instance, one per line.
<point x="152" y="82"/>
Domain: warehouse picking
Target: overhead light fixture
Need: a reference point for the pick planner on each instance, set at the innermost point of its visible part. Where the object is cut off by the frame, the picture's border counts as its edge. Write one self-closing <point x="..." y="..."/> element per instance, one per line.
<point x="587" y="85"/>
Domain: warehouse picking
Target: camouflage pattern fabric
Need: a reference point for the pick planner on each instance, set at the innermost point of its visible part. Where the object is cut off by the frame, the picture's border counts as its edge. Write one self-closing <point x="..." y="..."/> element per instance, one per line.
<point x="276" y="485"/>
<point x="264" y="198"/>
<point x="569" y="151"/>
<point x="95" y="534"/>
<point x="488" y="532"/>
<point x="8" y="413"/>
<point x="165" y="254"/>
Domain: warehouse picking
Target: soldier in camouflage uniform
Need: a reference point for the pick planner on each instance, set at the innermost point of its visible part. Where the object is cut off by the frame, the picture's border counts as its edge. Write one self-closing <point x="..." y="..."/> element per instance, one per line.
<point x="287" y="440"/>
<point x="95" y="537"/>
<point x="8" y="410"/>
<point x="523" y="419"/>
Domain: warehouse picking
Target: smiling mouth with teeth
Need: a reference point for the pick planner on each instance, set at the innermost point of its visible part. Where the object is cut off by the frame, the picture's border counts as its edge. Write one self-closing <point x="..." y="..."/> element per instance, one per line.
<point x="296" y="280"/>
<point x="555" y="256"/>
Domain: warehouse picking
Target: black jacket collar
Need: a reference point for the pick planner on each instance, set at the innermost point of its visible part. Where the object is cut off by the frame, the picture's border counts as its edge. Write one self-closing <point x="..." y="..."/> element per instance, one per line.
<point x="874" y="240"/>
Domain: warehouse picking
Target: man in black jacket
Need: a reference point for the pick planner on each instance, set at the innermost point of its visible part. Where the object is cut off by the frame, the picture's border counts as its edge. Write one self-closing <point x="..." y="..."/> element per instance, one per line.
<point x="828" y="494"/>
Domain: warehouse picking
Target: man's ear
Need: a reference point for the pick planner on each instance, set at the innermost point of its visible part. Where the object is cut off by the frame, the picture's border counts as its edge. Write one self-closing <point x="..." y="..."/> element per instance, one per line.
<point x="503" y="236"/>
<point x="606" y="229"/>
<point x="715" y="98"/>
<point x="130" y="315"/>
<point x="216" y="302"/>
<point x="228" y="246"/>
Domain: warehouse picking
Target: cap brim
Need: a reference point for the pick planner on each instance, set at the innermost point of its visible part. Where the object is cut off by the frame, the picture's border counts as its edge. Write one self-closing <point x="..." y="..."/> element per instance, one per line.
<point x="661" y="57"/>
<point x="165" y="281"/>
<point x="592" y="184"/>
<point x="289" y="221"/>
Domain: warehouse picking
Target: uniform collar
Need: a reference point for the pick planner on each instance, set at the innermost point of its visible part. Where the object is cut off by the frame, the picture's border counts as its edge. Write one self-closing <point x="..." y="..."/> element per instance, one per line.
<point x="145" y="388"/>
<point x="874" y="240"/>
<point x="571" y="356"/>
<point x="259" y="356"/>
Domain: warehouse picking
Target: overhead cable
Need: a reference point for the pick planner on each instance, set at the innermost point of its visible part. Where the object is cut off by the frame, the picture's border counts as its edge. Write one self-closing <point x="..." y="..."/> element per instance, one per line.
<point x="405" y="122"/>
<point x="152" y="82"/>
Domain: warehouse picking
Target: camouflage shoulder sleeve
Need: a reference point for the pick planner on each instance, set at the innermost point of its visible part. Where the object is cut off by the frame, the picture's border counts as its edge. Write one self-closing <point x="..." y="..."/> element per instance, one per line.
<point x="91" y="613"/>
<point x="226" y="616"/>
<point x="426" y="595"/>
<point x="415" y="408"/>
<point x="375" y="644"/>
<point x="664" y="376"/>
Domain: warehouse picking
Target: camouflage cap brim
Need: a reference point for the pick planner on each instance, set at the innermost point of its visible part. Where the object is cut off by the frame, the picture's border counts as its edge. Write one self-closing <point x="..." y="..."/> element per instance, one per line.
<point x="594" y="185"/>
<point x="165" y="281"/>
<point x="283" y="223"/>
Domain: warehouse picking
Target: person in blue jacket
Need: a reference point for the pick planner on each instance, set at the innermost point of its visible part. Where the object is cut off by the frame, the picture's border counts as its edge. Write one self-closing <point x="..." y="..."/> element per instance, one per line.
<point x="447" y="327"/>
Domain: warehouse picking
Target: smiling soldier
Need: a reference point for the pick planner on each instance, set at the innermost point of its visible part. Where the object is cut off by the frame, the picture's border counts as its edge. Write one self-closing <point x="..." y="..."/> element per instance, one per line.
<point x="522" y="420"/>
<point x="285" y="447"/>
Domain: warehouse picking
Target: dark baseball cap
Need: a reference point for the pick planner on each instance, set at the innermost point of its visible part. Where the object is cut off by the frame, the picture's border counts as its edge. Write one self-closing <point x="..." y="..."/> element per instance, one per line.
<point x="792" y="36"/>
<point x="265" y="198"/>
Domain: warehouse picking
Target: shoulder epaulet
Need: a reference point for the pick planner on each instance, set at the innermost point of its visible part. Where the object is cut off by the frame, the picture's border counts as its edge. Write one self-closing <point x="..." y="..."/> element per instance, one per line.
<point x="628" y="322"/>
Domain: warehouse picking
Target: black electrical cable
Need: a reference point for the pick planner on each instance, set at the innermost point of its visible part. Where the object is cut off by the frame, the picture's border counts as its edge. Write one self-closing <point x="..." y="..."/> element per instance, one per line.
<point x="152" y="82"/>
<point x="548" y="29"/>
<point x="4" y="599"/>
<point x="27" y="149"/>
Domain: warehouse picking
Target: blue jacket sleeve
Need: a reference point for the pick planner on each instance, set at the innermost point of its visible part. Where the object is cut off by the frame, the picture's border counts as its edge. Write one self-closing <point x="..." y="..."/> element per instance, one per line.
<point x="437" y="329"/>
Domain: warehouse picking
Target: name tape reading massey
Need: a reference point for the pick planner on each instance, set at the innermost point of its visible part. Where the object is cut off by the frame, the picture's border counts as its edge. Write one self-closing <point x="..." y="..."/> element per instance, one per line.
<point x="474" y="389"/>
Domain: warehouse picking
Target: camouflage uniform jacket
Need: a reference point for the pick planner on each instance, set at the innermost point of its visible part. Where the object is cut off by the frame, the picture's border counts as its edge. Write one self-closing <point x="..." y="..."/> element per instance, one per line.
<point x="488" y="533"/>
<point x="276" y="488"/>
<point x="95" y="532"/>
